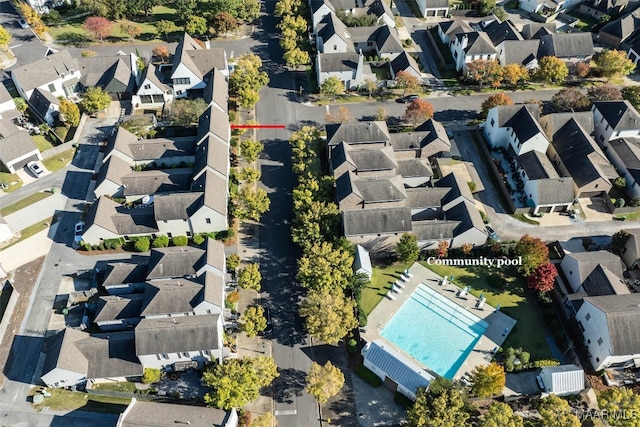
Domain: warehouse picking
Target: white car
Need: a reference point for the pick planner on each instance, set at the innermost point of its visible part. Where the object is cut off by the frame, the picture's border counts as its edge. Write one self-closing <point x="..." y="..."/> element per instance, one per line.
<point x="35" y="168"/>
<point x="23" y="23"/>
<point x="78" y="228"/>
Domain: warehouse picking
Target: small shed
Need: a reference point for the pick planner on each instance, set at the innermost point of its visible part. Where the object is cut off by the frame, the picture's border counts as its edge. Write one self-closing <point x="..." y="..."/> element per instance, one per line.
<point x="362" y="262"/>
<point x="562" y="380"/>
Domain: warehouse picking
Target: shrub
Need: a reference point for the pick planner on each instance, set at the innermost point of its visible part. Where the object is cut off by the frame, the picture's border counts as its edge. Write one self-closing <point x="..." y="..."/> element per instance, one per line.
<point x="472" y="186"/>
<point x="161" y="242"/>
<point x="545" y="362"/>
<point x="635" y="202"/>
<point x="620" y="203"/>
<point x="142" y="244"/>
<point x="198" y="239"/>
<point x="484" y="217"/>
<point x="87" y="247"/>
<point x="112" y="243"/>
<point x="180" y="241"/>
<point x="352" y="346"/>
<point x="151" y="375"/>
<point x="233" y="261"/>
<point x="367" y="375"/>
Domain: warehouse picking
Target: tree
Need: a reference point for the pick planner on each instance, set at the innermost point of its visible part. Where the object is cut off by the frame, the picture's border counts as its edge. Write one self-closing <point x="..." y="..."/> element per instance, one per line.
<point x="501" y="415"/>
<point x="70" y="112"/>
<point x="224" y="23"/>
<point x="604" y="93"/>
<point x="5" y="37"/>
<point x="620" y="400"/>
<point x="556" y="412"/>
<point x="467" y="248"/>
<point x="369" y="86"/>
<point x="248" y="98"/>
<point x="494" y="101"/>
<point x="316" y="223"/>
<point x="30" y="14"/>
<point x="488" y="380"/>
<point x="570" y="99"/>
<point x="332" y="86"/>
<point x="618" y="242"/>
<point x="249" y="10"/>
<point x="324" y="266"/>
<point x="21" y="105"/>
<point x="180" y="240"/>
<point x="166" y="27"/>
<point x="296" y="57"/>
<point x="500" y="13"/>
<point x="287" y="7"/>
<point x="142" y="244"/>
<point x="407" y="82"/>
<point x="534" y="253"/>
<point x="249" y="277"/>
<point x="253" y="321"/>
<point x="233" y="261"/>
<point x="443" y="249"/>
<point x="196" y="25"/>
<point x="582" y="69"/>
<point x="407" y="248"/>
<point x="418" y="111"/>
<point x="237" y="382"/>
<point x="248" y="175"/>
<point x="161" y="53"/>
<point x="614" y="63"/>
<point x="251" y="149"/>
<point x="151" y="375"/>
<point x="551" y="70"/>
<point x="514" y="74"/>
<point x="324" y="381"/>
<point x="343" y="115"/>
<point x="160" y="242"/>
<point x="442" y="407"/>
<point x="265" y="420"/>
<point x="328" y="314"/>
<point x="632" y="94"/>
<point x="247" y="79"/>
<point x="185" y="9"/>
<point x="543" y="278"/>
<point x="131" y="29"/>
<point x="485" y="72"/>
<point x="620" y="182"/>
<point x="95" y="99"/>
<point x="296" y="23"/>
<point x="486" y="7"/>
<point x="185" y="112"/>
<point x="99" y="26"/>
<point x="88" y="53"/>
<point x="252" y="203"/>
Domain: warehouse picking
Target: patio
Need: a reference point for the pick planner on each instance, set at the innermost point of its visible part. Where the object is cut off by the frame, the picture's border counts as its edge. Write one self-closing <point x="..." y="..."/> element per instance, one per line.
<point x="508" y="169"/>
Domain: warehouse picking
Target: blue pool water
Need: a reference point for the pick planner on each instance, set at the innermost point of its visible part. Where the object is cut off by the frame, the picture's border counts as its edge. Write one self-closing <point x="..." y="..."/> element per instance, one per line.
<point x="434" y="330"/>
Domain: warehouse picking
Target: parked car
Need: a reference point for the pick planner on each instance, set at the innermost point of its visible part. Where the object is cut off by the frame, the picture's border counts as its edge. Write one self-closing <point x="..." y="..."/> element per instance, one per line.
<point x="492" y="234"/>
<point x="407" y="99"/>
<point x="35" y="168"/>
<point x="23" y="23"/>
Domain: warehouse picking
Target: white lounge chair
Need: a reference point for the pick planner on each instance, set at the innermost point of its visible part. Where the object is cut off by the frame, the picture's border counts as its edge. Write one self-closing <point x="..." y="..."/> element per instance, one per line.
<point x="403" y="278"/>
<point x="408" y="273"/>
<point x="398" y="284"/>
<point x="396" y="289"/>
<point x="390" y="295"/>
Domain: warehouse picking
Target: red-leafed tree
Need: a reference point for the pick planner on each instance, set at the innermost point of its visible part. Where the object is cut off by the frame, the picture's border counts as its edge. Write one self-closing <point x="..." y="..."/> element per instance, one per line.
<point x="443" y="249"/>
<point x="418" y="111"/>
<point x="161" y="53"/>
<point x="543" y="278"/>
<point x="99" y="26"/>
<point x="494" y="101"/>
<point x="534" y="253"/>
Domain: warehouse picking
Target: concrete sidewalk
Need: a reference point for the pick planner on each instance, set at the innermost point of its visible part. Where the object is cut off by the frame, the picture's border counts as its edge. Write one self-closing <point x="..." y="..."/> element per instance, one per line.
<point x="26" y="251"/>
<point x="36" y="212"/>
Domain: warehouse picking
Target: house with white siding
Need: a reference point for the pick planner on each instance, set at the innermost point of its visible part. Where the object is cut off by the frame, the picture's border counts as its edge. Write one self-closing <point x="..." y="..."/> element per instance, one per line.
<point x="192" y="62"/>
<point x="562" y="380"/>
<point x="515" y="127"/>
<point x="468" y="47"/>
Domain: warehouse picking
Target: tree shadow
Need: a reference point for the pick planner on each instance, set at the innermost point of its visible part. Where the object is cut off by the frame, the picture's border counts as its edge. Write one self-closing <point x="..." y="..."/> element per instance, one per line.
<point x="291" y="382"/>
<point x="73" y="39"/>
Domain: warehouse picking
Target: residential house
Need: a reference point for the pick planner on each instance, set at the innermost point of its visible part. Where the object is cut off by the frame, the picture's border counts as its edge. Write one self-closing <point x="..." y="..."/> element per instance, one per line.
<point x="362" y="262"/>
<point x="74" y="357"/>
<point x="562" y="380"/>
<point x="429" y="140"/>
<point x="433" y="8"/>
<point x="7" y="104"/>
<point x="575" y="154"/>
<point x="332" y="36"/>
<point x="467" y="47"/>
<point x="118" y="312"/>
<point x="115" y="74"/>
<point x="579" y="266"/>
<point x="631" y="251"/>
<point x="319" y="10"/>
<point x="154" y="414"/>
<point x="121" y="278"/>
<point x="162" y="342"/>
<point x="181" y="297"/>
<point x="609" y="325"/>
<point x="382" y="42"/>
<point x="546" y="190"/>
<point x="571" y="48"/>
<point x="521" y="52"/>
<point x="191" y="63"/>
<point x="515" y="127"/>
<point x="45" y="105"/>
<point x="378" y="8"/>
<point x="216" y="92"/>
<point x="107" y="219"/>
<point x="374" y="133"/>
<point x="613" y="33"/>
<point x="17" y="148"/>
<point x="624" y="154"/>
<point x="174" y="262"/>
<point x="535" y="30"/>
<point x="405" y="62"/>
<point x="57" y="73"/>
<point x="151" y="91"/>
<point x="614" y="119"/>
<point x="448" y="30"/>
<point x="599" y="8"/>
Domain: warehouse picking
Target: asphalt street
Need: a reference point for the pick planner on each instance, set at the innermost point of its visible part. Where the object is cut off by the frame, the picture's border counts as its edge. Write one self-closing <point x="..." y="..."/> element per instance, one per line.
<point x="24" y="44"/>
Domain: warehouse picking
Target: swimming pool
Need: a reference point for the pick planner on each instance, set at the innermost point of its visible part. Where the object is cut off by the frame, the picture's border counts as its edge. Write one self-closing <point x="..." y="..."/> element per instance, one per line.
<point x="435" y="331"/>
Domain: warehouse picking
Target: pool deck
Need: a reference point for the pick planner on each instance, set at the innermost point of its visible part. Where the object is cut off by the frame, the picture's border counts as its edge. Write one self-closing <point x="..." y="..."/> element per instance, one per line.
<point x="481" y="354"/>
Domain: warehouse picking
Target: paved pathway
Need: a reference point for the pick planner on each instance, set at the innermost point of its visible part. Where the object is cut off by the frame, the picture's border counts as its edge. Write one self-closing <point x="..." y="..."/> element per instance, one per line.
<point x="39" y="211"/>
<point x="21" y="253"/>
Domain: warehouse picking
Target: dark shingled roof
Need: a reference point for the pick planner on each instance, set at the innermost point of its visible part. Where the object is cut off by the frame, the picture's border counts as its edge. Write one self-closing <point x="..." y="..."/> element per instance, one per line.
<point x="524" y="124"/>
<point x="537" y="30"/>
<point x="537" y="165"/>
<point x="215" y="256"/>
<point x="152" y="74"/>
<point x="385" y="38"/>
<point x="331" y="25"/>
<point x="588" y="261"/>
<point x="215" y="122"/>
<point x="175" y="206"/>
<point x="214" y="289"/>
<point x="45" y="70"/>
<point x="628" y="149"/>
<point x="111" y="355"/>
<point x="376" y="221"/>
<point x="117" y="273"/>
<point x="388" y="189"/>
<point x="358" y="132"/>
<point x="373" y="160"/>
<point x="171" y="296"/>
<point x="62" y="353"/>
<point x="507" y="112"/>
<point x="121" y="307"/>
<point x="217" y="90"/>
<point x="214" y="154"/>
<point x="40" y="101"/>
<point x="552" y="123"/>
<point x="425" y="197"/>
<point x="451" y="28"/>
<point x="434" y="229"/>
<point x="333" y="62"/>
<point x="15" y="146"/>
<point x="620" y="115"/>
<point x="467" y="214"/>
<point x="174" y="262"/>
<point x="159" y="148"/>
<point x="414" y="168"/>
<point x="623" y="28"/>
<point x="623" y="321"/>
<point x="111" y="73"/>
<point x="157" y="181"/>
<point x="478" y="43"/>
<point x="521" y="52"/>
<point x="118" y="219"/>
<point x="457" y="187"/>
<point x="214" y="190"/>
<point x="405" y="62"/>
<point x="198" y="60"/>
<point x="603" y="281"/>
<point x="566" y="45"/>
<point x="153" y="414"/>
<point x="501" y="31"/>
<point x="177" y="334"/>
<point x="555" y="191"/>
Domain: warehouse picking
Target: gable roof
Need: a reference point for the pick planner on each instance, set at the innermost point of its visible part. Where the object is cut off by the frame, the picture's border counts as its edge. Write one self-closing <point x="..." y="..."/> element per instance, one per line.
<point x="467" y="214"/>
<point x="603" y="281"/>
<point x="501" y="31"/>
<point x="622" y="321"/>
<point x="113" y="217"/>
<point x="152" y="74"/>
<point x="45" y="70"/>
<point x="537" y="165"/>
<point x="566" y="45"/>
<point x="376" y="221"/>
<point x="536" y="30"/>
<point x="171" y="296"/>
<point x="212" y="153"/>
<point x="358" y="132"/>
<point x="362" y="260"/>
<point x="478" y="43"/>
<point x="112" y="307"/>
<point x="214" y="289"/>
<point x="413" y="168"/>
<point x="385" y="38"/>
<point x="198" y="60"/>
<point x="153" y="414"/>
<point x="177" y="334"/>
<point x="331" y="25"/>
<point x="113" y="170"/>
<point x="112" y="73"/>
<point x="524" y="123"/>
<point x="110" y="356"/>
<point x="552" y="123"/>
<point x="215" y="122"/>
<point x="316" y="5"/>
<point x="425" y="197"/>
<point x="457" y="186"/>
<point x="336" y="62"/>
<point x="405" y="62"/>
<point x="367" y="160"/>
<point x="214" y="192"/>
<point x="62" y="352"/>
<point x="623" y="27"/>
<point x="41" y="99"/>
<point x="15" y="146"/>
<point x="157" y="181"/>
<point x="174" y="206"/>
<point x="215" y="257"/>
<point x="620" y="115"/>
<point x="217" y="90"/>
<point x="554" y="191"/>
<point x="505" y="113"/>
<point x="431" y="230"/>
<point x="521" y="52"/>
<point x="628" y="149"/>
<point x="173" y="262"/>
<point x="451" y="28"/>
<point x="124" y="272"/>
<point x="381" y="190"/>
<point x="588" y="261"/>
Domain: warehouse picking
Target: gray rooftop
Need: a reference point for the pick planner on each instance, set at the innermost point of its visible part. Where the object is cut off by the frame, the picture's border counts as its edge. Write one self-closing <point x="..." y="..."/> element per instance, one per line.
<point x="217" y="89"/>
<point x="110" y="356"/>
<point x="177" y="334"/>
<point x="15" y="146"/>
<point x="414" y="168"/>
<point x="112" y="73"/>
<point x="198" y="60"/>
<point x="537" y="165"/>
<point x="588" y="261"/>
<point x="628" y="149"/>
<point x="175" y="206"/>
<point x="214" y="154"/>
<point x="425" y="197"/>
<point x="554" y="191"/>
<point x="215" y="122"/>
<point x="157" y="181"/>
<point x="569" y="45"/>
<point x="620" y="115"/>
<point x="45" y="70"/>
<point x="376" y="221"/>
<point x="62" y="352"/>
<point x="118" y="219"/>
<point x="171" y="296"/>
<point x="121" y="307"/>
<point x="174" y="262"/>
<point x="117" y="273"/>
<point x="358" y="132"/>
<point x="153" y="414"/>
<point x="603" y="281"/>
<point x="334" y="62"/>
<point x="622" y="320"/>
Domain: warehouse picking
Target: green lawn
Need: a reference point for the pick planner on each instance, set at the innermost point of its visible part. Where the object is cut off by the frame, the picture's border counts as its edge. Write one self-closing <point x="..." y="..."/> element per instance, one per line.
<point x="64" y="400"/>
<point x="21" y="204"/>
<point x="10" y="179"/>
<point x="506" y="288"/>
<point x="32" y="230"/>
<point x="41" y="143"/>
<point x="381" y="282"/>
<point x="59" y="161"/>
<point x="521" y="217"/>
<point x="125" y="386"/>
<point x="633" y="216"/>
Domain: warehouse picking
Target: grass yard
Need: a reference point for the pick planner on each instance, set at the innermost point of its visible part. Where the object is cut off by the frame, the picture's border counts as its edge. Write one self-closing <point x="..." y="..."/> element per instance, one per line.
<point x="521" y="217"/>
<point x="32" y="230"/>
<point x="21" y="204"/>
<point x="64" y="400"/>
<point x="126" y="387"/>
<point x="381" y="282"/>
<point x="41" y="142"/>
<point x="12" y="181"/>
<point x="59" y="161"/>
<point x="633" y="216"/>
<point x="506" y="288"/>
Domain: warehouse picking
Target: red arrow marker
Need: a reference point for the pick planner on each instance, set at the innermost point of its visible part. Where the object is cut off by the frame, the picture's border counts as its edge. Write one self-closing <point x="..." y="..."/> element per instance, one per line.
<point x="234" y="126"/>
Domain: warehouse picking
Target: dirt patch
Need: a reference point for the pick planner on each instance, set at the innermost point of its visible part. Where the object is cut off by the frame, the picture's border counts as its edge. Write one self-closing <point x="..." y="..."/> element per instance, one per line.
<point x="23" y="278"/>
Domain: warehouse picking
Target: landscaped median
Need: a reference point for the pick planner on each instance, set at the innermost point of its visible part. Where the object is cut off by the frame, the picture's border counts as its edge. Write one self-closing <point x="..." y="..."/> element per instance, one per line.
<point x="65" y="400"/>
